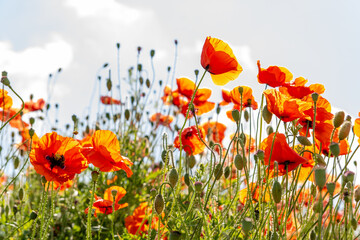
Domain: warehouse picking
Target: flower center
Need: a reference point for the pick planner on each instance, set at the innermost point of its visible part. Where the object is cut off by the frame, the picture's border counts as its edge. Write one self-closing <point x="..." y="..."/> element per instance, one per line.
<point x="56" y="160"/>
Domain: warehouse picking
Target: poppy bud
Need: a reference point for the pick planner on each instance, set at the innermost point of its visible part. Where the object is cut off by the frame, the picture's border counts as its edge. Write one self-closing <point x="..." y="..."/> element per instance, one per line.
<point x="74" y="118"/>
<point x="315" y="96"/>
<point x="191" y="107"/>
<point x="317" y="206"/>
<point x="159" y="204"/>
<point x="242" y="138"/>
<point x="313" y="190"/>
<point x="235" y="115"/>
<point x="274" y="236"/>
<point x="187" y="179"/>
<point x="108" y="84"/>
<point x="276" y="191"/>
<point x="218" y="109"/>
<point x="94" y="175"/>
<point x="354" y="223"/>
<point x="357" y="194"/>
<point x="152" y="53"/>
<point x="304" y="140"/>
<point x="168" y="68"/>
<point x="164" y="156"/>
<point x="117" y="45"/>
<point x="4" y="79"/>
<point x="335" y="149"/>
<point x="247" y="225"/>
<point x="338" y="119"/>
<point x="139" y="49"/>
<point x="176" y="42"/>
<point x="348" y="118"/>
<point x="269" y="130"/>
<point x="330" y="186"/>
<point x="16" y="162"/>
<point x="196" y="72"/>
<point x="246" y="115"/>
<point x="175" y="235"/>
<point x="191" y="161"/>
<point x="312" y="235"/>
<point x="147" y="83"/>
<point x="127" y="114"/>
<point x="266" y="114"/>
<point x="320" y="177"/>
<point x="31" y="132"/>
<point x="260" y="154"/>
<point x="344" y="130"/>
<point x="218" y="171"/>
<point x="43" y="180"/>
<point x="227" y="172"/>
<point x="348" y="176"/>
<point x="173" y="177"/>
<point x="32" y="121"/>
<point x="198" y="186"/>
<point x="346" y="195"/>
<point x="21" y="194"/>
<point x="15" y="209"/>
<point x="141" y="80"/>
<point x="153" y="192"/>
<point x="320" y="160"/>
<point x="239" y="162"/>
<point x="33" y="215"/>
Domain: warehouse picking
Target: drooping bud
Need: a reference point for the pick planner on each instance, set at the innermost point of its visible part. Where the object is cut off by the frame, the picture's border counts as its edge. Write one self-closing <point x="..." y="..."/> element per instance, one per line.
<point x="304" y="140"/>
<point x="227" y="172"/>
<point x="159" y="204"/>
<point x="247" y="225"/>
<point x="236" y="115"/>
<point x="260" y="155"/>
<point x="266" y="114"/>
<point x="344" y="130"/>
<point x="198" y="186"/>
<point x="239" y="162"/>
<point x="173" y="177"/>
<point x="276" y="191"/>
<point x="338" y="119"/>
<point x="330" y="186"/>
<point x="218" y="109"/>
<point x="320" y="177"/>
<point x="191" y="161"/>
<point x="218" y="171"/>
<point x="43" y="180"/>
<point x="335" y="149"/>
<point x="164" y="156"/>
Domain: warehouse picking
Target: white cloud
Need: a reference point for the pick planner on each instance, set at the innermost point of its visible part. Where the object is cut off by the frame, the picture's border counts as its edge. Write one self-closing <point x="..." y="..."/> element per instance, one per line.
<point x="29" y="69"/>
<point x="106" y="8"/>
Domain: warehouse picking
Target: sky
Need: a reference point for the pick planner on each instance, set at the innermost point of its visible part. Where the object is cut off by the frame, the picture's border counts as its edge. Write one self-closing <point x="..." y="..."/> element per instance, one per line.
<point x="318" y="40"/>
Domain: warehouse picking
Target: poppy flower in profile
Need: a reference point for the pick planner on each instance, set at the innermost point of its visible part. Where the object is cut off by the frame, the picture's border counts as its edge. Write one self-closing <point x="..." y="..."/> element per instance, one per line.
<point x="297" y="88"/>
<point x="105" y="206"/>
<point x="32" y="106"/>
<point x="159" y="119"/>
<point x="282" y="153"/>
<point x="215" y="131"/>
<point x="57" y="158"/>
<point x="274" y="76"/>
<point x="106" y="100"/>
<point x="219" y="60"/>
<point x="102" y="149"/>
<point x="226" y="97"/>
<point x="6" y="101"/>
<point x="283" y="107"/>
<point x="190" y="140"/>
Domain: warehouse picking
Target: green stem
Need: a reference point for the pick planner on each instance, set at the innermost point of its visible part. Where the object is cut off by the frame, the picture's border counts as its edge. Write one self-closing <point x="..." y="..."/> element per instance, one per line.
<point x="22" y="107"/>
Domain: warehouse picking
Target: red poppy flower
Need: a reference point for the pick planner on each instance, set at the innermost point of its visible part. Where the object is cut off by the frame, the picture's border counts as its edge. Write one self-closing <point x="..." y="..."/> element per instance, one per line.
<point x="106" y="100"/>
<point x="297" y="89"/>
<point x="102" y="149"/>
<point x="215" y="131"/>
<point x="159" y="119"/>
<point x="26" y="140"/>
<point x="105" y="206"/>
<point x="190" y="140"/>
<point x="16" y="122"/>
<point x="226" y="97"/>
<point x="32" y="106"/>
<point x="248" y="99"/>
<point x="57" y="158"/>
<point x="282" y="153"/>
<point x="5" y="100"/>
<point x="284" y="107"/>
<point x="219" y="60"/>
<point x="274" y="76"/>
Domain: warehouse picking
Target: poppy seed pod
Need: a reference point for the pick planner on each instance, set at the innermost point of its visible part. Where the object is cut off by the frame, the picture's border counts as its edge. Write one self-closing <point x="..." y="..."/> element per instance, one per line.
<point x="330" y="186"/>
<point x="31" y="132"/>
<point x="274" y="236"/>
<point x="32" y="121"/>
<point x="269" y="130"/>
<point x="94" y="175"/>
<point x="357" y="194"/>
<point x="312" y="235"/>
<point x="152" y="53"/>
<point x="348" y="176"/>
<point x="344" y="130"/>
<point x="16" y="162"/>
<point x="335" y="149"/>
<point x="173" y="177"/>
<point x="317" y="206"/>
<point x="21" y="194"/>
<point x="159" y="204"/>
<point x="198" y="186"/>
<point x="315" y="96"/>
<point x="196" y="71"/>
<point x="276" y="191"/>
<point x="235" y="115"/>
<point x="348" y="118"/>
<point x="320" y="177"/>
<point x="4" y="79"/>
<point x="127" y="114"/>
<point x="266" y="114"/>
<point x="109" y="84"/>
<point x="246" y="115"/>
<point x="239" y="162"/>
<point x="241" y="90"/>
<point x="247" y="225"/>
<point x="175" y="235"/>
<point x="187" y="179"/>
<point x="227" y="172"/>
<point x="304" y="140"/>
<point x="338" y="119"/>
<point x="33" y="215"/>
<point x="153" y="192"/>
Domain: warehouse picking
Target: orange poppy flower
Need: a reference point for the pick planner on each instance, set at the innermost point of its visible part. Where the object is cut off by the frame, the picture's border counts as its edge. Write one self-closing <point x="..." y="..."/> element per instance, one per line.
<point x="6" y="101"/>
<point x="106" y="100"/>
<point x="284" y="107"/>
<point x="110" y="181"/>
<point x="135" y="223"/>
<point x="60" y="186"/>
<point x="248" y="99"/>
<point x="282" y="153"/>
<point x="297" y="89"/>
<point x="226" y="97"/>
<point x="26" y="140"/>
<point x="190" y="140"/>
<point x="105" y="206"/>
<point x="219" y="60"/>
<point x="167" y="94"/>
<point x="159" y="119"/>
<point x="274" y="76"/>
<point x="248" y="148"/>
<point x="16" y="122"/>
<point x="57" y="158"/>
<point x="32" y="106"/>
<point x="102" y="149"/>
<point x="357" y="128"/>
<point x="255" y="193"/>
<point x="215" y="131"/>
<point x="324" y="142"/>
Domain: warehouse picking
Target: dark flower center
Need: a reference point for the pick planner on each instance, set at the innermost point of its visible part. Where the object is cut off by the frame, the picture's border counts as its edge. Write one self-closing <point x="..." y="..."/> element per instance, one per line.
<point x="56" y="160"/>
